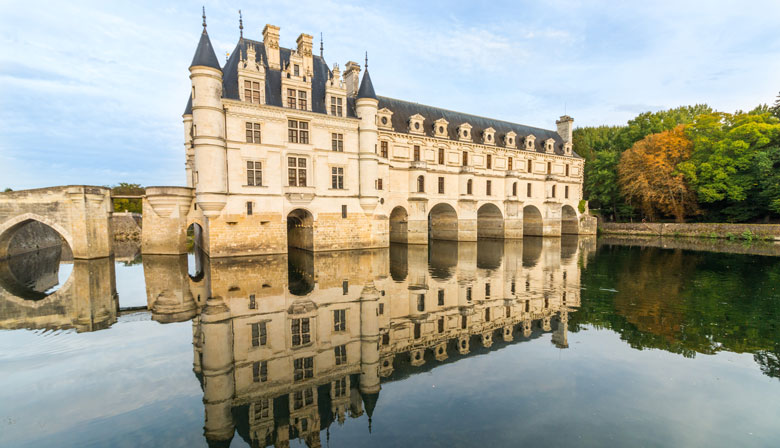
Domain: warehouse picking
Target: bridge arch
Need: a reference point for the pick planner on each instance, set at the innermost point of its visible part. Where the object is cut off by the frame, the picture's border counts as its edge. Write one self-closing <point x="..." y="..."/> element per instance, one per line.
<point x="10" y="227"/>
<point x="490" y="221"/>
<point x="443" y="222"/>
<point x="399" y="225"/>
<point x="533" y="223"/>
<point x="569" y="221"/>
<point x="300" y="229"/>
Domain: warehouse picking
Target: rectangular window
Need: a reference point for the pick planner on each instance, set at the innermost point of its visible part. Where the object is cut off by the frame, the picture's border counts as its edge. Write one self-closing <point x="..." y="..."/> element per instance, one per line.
<point x="549" y="167"/>
<point x="553" y="191"/>
<point x="381" y="309"/>
<point x="339" y="320"/>
<point x="441" y="325"/>
<point x="530" y="166"/>
<point x="252" y="132"/>
<point x="297" y="70"/>
<point x="464" y="322"/>
<point x="567" y="169"/>
<point x="489" y="188"/>
<point x="254" y="173"/>
<point x="341" y="354"/>
<point x="487" y="290"/>
<point x="303" y="398"/>
<point x="252" y="302"/>
<point x="417" y="330"/>
<point x="262" y="410"/>
<point x="304" y="368"/>
<point x="489" y="161"/>
<point x="291" y="97"/>
<point x="566" y="192"/>
<point x="251" y="92"/>
<point x="337" y="177"/>
<point x="421" y="302"/>
<point x="468" y="293"/>
<point x="487" y="314"/>
<point x="514" y="189"/>
<point x="260" y="371"/>
<point x="441" y="156"/>
<point x="441" y="185"/>
<point x="259" y="334"/>
<point x="302" y="100"/>
<point x="340" y="388"/>
<point x="508" y="311"/>
<point x="465" y="158"/>
<point x="298" y="131"/>
<point x="383" y="149"/>
<point x="345" y="287"/>
<point x="344" y="212"/>
<point x="386" y="339"/>
<point x="296" y="171"/>
<point x="336" y="106"/>
<point x="509" y="164"/>
<point x="301" y="331"/>
<point x="416" y="153"/>
<point x="379" y="185"/>
<point x="337" y="142"/>
<point x="441" y="297"/>
<point x="249" y="208"/>
<point x="528" y="190"/>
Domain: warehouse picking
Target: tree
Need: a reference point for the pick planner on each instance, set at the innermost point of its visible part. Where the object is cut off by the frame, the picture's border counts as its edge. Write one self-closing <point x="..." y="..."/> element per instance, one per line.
<point x="602" y="187"/>
<point x="128" y="205"/>
<point x="776" y="107"/>
<point x="648" y="175"/>
<point x="8" y="189"/>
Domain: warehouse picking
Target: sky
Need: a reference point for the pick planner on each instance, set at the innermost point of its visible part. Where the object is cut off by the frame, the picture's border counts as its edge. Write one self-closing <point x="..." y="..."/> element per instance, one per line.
<point x="92" y="92"/>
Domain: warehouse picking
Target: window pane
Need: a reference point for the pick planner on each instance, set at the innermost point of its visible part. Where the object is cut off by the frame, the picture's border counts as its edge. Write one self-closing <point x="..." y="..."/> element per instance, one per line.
<point x="302" y="162"/>
<point x="256" y="85"/>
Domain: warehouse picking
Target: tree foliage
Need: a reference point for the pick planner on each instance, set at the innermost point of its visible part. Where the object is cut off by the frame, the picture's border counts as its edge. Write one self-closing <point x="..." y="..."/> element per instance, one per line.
<point x="648" y="175"/>
<point x="128" y="205"/>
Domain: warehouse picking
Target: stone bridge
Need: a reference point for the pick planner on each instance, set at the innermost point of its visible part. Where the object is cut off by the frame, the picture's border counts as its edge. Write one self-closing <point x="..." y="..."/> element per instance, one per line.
<point x="79" y="214"/>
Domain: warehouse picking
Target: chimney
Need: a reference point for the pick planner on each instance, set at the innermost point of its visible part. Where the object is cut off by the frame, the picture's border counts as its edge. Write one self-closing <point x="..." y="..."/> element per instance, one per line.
<point x="304" y="50"/>
<point x="352" y="78"/>
<point x="565" y="128"/>
<point x="271" y="43"/>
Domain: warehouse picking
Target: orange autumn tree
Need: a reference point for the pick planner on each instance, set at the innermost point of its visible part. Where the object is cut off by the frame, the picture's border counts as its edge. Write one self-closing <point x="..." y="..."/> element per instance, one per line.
<point x="649" y="178"/>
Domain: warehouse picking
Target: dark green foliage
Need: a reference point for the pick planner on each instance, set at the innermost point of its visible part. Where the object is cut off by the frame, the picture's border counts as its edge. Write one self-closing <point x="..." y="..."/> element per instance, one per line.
<point x="128" y="205"/>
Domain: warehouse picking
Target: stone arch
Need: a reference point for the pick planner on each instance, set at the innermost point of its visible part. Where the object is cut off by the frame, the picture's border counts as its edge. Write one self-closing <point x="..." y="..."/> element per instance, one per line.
<point x="399" y="225"/>
<point x="443" y="222"/>
<point x="490" y="221"/>
<point x="29" y="278"/>
<point x="533" y="223"/>
<point x="569" y="221"/>
<point x="10" y="227"/>
<point x="300" y="229"/>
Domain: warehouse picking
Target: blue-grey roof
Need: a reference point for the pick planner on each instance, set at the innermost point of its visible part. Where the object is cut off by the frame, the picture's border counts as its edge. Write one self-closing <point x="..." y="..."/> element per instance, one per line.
<point x="204" y="54"/>
<point x="403" y="110"/>
<point x="366" y="87"/>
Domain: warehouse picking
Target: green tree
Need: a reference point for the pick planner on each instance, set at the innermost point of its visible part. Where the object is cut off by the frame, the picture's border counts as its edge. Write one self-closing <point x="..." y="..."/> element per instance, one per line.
<point x="128" y="205"/>
<point x="601" y="183"/>
<point x="776" y="107"/>
<point x="8" y="189"/>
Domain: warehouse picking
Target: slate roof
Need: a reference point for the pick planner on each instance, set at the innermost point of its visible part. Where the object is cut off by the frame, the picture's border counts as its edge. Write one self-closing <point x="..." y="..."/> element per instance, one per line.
<point x="366" y="89"/>
<point x="403" y="110"/>
<point x="204" y="54"/>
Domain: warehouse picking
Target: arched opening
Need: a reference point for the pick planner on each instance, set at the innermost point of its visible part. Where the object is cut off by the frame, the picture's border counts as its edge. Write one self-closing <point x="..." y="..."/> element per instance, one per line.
<point x="490" y="222"/>
<point x="300" y="229"/>
<point x="35" y="260"/>
<point x="489" y="253"/>
<point x="443" y="223"/>
<point x="300" y="272"/>
<point x="399" y="225"/>
<point x="532" y="221"/>
<point x="421" y="184"/>
<point x="195" y="251"/>
<point x="569" y="221"/>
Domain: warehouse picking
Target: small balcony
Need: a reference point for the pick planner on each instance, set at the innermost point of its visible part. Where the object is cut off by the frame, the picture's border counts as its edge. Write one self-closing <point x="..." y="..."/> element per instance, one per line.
<point x="467" y="170"/>
<point x="418" y="165"/>
<point x="513" y="173"/>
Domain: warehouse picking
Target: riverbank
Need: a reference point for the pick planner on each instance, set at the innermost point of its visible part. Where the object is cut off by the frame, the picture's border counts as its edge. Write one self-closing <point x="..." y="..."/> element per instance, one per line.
<point x="746" y="232"/>
<point x="755" y="247"/>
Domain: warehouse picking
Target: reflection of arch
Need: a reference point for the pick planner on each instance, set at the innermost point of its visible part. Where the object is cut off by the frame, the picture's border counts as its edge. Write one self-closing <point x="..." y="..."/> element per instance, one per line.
<point x="569" y="246"/>
<point x="569" y="222"/>
<point x="442" y="259"/>
<point x="532" y="250"/>
<point x="9" y="229"/>
<point x="32" y="275"/>
<point x="300" y="229"/>
<point x="399" y="225"/>
<point x="195" y="252"/>
<point x="532" y="221"/>
<point x="300" y="272"/>
<point x="490" y="222"/>
<point x="399" y="262"/>
<point x="443" y="223"/>
<point x="489" y="254"/>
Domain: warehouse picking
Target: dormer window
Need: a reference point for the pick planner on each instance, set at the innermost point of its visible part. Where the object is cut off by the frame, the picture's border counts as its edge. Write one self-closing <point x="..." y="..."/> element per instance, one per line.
<point x="416" y="124"/>
<point x="337" y="106"/>
<point x="489" y="136"/>
<point x="567" y="149"/>
<point x="440" y="128"/>
<point x="549" y="146"/>
<point x="464" y="132"/>
<point x="384" y="117"/>
<point x="297" y="70"/>
<point x="510" y="139"/>
<point x="252" y="92"/>
<point x="529" y="142"/>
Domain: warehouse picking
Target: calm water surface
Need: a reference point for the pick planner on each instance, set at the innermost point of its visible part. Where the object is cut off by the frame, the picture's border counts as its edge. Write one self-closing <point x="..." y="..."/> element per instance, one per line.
<point x="554" y="342"/>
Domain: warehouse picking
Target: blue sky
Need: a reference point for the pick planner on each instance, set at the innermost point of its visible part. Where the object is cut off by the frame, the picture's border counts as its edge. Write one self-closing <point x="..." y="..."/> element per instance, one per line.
<point x="93" y="92"/>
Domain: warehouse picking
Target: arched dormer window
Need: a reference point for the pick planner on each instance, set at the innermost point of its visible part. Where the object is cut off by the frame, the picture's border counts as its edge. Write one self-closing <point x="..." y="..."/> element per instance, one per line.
<point x="421" y="184"/>
<point x="529" y="142"/>
<point x="416" y="124"/>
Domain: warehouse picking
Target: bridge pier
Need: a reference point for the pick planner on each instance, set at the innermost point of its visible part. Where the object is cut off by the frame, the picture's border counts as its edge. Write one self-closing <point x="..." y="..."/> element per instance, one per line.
<point x="165" y="211"/>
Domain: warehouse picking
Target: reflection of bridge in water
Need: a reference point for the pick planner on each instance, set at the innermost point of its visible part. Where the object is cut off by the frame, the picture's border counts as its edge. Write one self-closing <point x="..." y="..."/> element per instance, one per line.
<point x="284" y="345"/>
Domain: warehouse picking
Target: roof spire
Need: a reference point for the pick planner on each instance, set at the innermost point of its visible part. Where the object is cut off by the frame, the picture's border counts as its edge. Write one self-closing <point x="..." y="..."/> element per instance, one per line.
<point x="204" y="19"/>
<point x="366" y="58"/>
<point x="320" y="44"/>
<point x="240" y="25"/>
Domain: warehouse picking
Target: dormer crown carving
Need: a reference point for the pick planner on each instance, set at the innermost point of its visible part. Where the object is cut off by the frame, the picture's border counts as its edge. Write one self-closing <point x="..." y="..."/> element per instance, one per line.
<point x="489" y="136"/>
<point x="549" y="146"/>
<point x="250" y="63"/>
<point x="384" y="118"/>
<point x="440" y="128"/>
<point x="510" y="139"/>
<point x="529" y="142"/>
<point x="464" y="132"/>
<point x="416" y="123"/>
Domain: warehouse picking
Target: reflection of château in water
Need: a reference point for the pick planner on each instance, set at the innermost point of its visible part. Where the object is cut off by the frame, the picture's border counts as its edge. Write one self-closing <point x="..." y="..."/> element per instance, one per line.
<point x="286" y="345"/>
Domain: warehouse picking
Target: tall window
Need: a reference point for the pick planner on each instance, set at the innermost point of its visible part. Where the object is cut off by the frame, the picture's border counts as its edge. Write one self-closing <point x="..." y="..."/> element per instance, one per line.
<point x="336" y="106"/>
<point x="441" y="185"/>
<point x="421" y="184"/>
<point x="489" y="161"/>
<point x="553" y="191"/>
<point x="298" y="131"/>
<point x="530" y="166"/>
<point x="297" y="70"/>
<point x="441" y="156"/>
<point x="566" y="192"/>
<point x="469" y="186"/>
<point x="259" y="334"/>
<point x="417" y="330"/>
<point x="337" y="142"/>
<point x="337" y="177"/>
<point x="260" y="371"/>
<point x="379" y="185"/>
<point x="528" y="190"/>
<point x="302" y="100"/>
<point x="549" y="167"/>
<point x="303" y="398"/>
<point x="487" y="290"/>
<point x="465" y="158"/>
<point x="421" y="302"/>
<point x="254" y="173"/>
<point x="489" y="188"/>
<point x="468" y="293"/>
<point x="441" y="297"/>
<point x="292" y="96"/>
<point x="514" y="189"/>
<point x="441" y="325"/>
<point x="567" y="169"/>
<point x="304" y="368"/>
<point x="296" y="171"/>
<point x="509" y="164"/>
<point x="341" y="354"/>
<point x="416" y="153"/>
<point x="249" y="208"/>
<point x="252" y="92"/>
<point x="383" y="149"/>
<point x="301" y="331"/>
<point x="340" y="388"/>
<point x="487" y="314"/>
<point x="252" y="132"/>
<point x="339" y="320"/>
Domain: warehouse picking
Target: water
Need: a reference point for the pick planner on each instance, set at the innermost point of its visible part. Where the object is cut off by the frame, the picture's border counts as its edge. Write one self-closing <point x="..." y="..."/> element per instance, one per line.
<point x="572" y="343"/>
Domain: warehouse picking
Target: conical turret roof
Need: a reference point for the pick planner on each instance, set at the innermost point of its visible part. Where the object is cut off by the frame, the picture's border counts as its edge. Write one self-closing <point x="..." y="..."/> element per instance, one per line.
<point x="366" y="87"/>
<point x="205" y="55"/>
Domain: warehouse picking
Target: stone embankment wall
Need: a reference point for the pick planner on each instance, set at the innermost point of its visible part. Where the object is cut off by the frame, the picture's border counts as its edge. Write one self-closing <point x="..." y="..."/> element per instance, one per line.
<point x="696" y="230"/>
<point x="126" y="226"/>
<point x="768" y="248"/>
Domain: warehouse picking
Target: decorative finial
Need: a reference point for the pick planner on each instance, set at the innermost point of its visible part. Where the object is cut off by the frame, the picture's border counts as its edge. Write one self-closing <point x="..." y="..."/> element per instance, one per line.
<point x="320" y="44"/>
<point x="240" y="24"/>
<point x="204" y="18"/>
<point x="227" y="55"/>
<point x="366" y="60"/>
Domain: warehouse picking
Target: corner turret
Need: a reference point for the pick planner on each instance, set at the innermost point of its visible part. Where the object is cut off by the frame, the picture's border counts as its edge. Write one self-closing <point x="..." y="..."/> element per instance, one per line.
<point x="367" y="106"/>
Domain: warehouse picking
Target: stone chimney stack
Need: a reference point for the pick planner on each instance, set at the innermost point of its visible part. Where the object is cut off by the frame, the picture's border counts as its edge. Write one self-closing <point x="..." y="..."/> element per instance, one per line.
<point x="565" y="126"/>
<point x="304" y="50"/>
<point x="352" y="78"/>
<point x="271" y="43"/>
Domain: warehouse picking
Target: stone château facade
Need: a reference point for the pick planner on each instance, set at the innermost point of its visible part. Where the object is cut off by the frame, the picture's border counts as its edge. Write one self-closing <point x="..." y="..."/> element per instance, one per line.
<point x="283" y="150"/>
